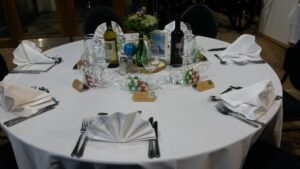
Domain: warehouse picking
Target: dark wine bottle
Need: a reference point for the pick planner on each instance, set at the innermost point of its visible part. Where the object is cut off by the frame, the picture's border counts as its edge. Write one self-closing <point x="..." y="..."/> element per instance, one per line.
<point x="177" y="43"/>
<point x="110" y="40"/>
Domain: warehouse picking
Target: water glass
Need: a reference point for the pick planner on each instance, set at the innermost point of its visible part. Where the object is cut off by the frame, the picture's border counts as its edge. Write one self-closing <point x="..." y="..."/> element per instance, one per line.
<point x="189" y="48"/>
<point x="87" y="55"/>
<point x="176" y="73"/>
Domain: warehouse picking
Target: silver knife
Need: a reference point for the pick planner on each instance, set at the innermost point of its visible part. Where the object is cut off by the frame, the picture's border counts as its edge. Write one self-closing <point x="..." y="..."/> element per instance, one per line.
<point x="157" y="151"/>
<point x="151" y="150"/>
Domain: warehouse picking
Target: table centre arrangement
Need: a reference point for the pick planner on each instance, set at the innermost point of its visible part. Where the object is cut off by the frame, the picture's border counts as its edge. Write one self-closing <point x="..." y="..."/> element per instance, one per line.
<point x="144" y="58"/>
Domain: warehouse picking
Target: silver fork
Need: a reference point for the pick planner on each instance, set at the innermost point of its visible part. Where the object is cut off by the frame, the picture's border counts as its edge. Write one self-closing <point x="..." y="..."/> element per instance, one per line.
<point x="224" y="110"/>
<point x="84" y="125"/>
<point x="241" y="114"/>
<point x="80" y="152"/>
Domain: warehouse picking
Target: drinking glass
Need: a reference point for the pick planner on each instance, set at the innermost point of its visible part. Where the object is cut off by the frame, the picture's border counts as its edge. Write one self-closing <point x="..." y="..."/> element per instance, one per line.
<point x="88" y="46"/>
<point x="177" y="74"/>
<point x="189" y="45"/>
<point x="100" y="63"/>
<point x="151" y="64"/>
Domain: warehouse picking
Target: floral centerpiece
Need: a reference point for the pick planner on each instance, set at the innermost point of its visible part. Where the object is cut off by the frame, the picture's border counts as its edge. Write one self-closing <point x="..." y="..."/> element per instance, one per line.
<point x="143" y="24"/>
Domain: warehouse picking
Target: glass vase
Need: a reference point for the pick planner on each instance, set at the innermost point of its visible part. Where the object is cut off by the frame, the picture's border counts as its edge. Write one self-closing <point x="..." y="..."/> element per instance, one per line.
<point x="142" y="50"/>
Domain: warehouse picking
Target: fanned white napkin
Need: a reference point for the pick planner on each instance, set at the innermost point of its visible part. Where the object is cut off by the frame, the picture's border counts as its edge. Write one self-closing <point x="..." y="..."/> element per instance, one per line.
<point x="22" y="101"/>
<point x="243" y="49"/>
<point x="120" y="127"/>
<point x="28" y="53"/>
<point x="252" y="101"/>
<point x="100" y="30"/>
<point x="171" y="26"/>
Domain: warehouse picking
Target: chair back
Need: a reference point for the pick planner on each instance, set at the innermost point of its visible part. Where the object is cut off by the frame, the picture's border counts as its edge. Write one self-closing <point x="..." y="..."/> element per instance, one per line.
<point x="202" y="20"/>
<point x="291" y="64"/>
<point x="97" y="16"/>
<point x="3" y="68"/>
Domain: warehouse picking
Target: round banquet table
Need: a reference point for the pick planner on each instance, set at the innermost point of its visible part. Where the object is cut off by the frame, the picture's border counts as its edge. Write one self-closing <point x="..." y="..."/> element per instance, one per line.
<point x="192" y="134"/>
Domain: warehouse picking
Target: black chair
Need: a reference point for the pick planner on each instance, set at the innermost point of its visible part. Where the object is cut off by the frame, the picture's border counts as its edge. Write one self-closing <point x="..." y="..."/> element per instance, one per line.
<point x="7" y="157"/>
<point x="97" y="16"/>
<point x="202" y="20"/>
<point x="265" y="156"/>
<point x="291" y="105"/>
<point x="3" y="68"/>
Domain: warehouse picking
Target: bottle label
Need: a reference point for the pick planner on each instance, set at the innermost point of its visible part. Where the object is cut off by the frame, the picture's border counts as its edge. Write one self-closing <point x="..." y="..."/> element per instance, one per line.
<point x="111" y="51"/>
<point x="179" y="48"/>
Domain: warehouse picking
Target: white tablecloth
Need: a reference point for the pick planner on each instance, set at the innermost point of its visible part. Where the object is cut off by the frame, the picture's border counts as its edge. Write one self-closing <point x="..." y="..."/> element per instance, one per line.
<point x="192" y="134"/>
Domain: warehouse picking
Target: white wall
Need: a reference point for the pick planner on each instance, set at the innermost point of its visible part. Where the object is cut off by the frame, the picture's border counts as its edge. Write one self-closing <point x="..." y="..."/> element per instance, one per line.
<point x="274" y="21"/>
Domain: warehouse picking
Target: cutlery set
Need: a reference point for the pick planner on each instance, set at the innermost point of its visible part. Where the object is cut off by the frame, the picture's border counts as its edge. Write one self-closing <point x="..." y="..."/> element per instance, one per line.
<point x="17" y="120"/>
<point x="57" y="60"/>
<point x="78" y="151"/>
<point x="240" y="63"/>
<point x="223" y="109"/>
<point x="226" y="111"/>
<point x="153" y="149"/>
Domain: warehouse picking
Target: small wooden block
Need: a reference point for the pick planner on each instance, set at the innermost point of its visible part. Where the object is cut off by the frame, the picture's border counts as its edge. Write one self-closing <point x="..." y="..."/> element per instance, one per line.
<point x="205" y="85"/>
<point x="144" y="97"/>
<point x="79" y="86"/>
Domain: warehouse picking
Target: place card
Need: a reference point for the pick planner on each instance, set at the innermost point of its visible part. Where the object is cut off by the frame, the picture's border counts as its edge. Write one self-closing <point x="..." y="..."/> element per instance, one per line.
<point x="79" y="86"/>
<point x="205" y="85"/>
<point x="144" y="96"/>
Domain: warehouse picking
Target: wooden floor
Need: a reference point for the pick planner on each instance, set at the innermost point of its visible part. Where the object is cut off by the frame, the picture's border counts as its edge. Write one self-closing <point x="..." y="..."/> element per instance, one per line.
<point x="271" y="53"/>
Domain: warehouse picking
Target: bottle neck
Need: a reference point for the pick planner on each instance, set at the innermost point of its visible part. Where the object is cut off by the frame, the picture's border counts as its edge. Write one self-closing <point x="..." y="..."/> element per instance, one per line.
<point x="177" y="24"/>
<point x="108" y="25"/>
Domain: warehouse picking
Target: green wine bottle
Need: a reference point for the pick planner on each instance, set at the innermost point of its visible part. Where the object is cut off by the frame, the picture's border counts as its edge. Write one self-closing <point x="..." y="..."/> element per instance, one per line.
<point x="141" y="51"/>
<point x="110" y="40"/>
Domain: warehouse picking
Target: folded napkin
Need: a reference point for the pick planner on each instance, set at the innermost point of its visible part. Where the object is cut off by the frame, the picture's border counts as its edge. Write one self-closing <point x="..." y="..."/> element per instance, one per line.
<point x="252" y="101"/>
<point x="23" y="101"/>
<point x="171" y="26"/>
<point x="100" y="30"/>
<point x="120" y="127"/>
<point x="242" y="49"/>
<point x="28" y="53"/>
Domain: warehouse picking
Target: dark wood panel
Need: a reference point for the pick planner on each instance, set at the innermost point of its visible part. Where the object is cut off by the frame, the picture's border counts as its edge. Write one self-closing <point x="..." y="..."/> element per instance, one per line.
<point x="13" y="22"/>
<point x="119" y="8"/>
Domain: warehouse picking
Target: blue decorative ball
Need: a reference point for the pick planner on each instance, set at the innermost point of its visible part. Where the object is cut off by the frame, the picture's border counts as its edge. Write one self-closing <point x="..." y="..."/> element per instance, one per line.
<point x="129" y="49"/>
